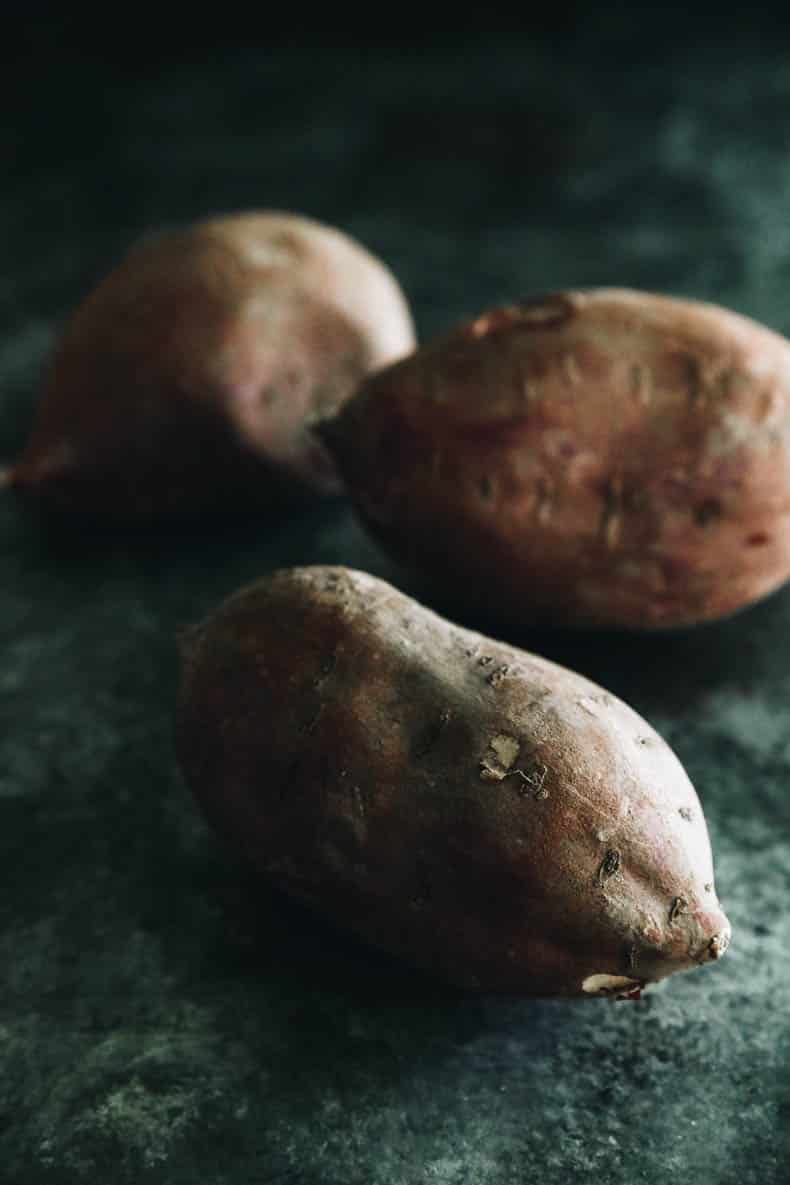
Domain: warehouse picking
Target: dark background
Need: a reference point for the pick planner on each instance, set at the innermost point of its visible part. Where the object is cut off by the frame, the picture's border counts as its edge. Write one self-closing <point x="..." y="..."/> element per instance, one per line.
<point x="161" y="1019"/>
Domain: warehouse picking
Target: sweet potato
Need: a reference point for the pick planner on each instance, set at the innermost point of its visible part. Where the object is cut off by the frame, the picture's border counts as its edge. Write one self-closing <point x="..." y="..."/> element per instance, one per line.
<point x="475" y="810"/>
<point x="189" y="379"/>
<point x="596" y="458"/>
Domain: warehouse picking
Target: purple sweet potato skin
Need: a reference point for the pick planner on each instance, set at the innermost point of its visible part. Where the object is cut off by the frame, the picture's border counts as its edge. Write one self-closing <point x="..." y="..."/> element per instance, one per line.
<point x="607" y="457"/>
<point x="474" y="810"/>
<point x="189" y="380"/>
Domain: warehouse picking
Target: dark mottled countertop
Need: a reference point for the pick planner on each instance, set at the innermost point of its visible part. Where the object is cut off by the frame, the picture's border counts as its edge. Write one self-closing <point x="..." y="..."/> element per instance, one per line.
<point x="161" y="1020"/>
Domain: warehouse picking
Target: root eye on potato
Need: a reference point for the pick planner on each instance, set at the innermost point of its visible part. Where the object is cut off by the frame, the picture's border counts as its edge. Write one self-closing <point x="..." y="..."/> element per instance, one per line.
<point x="190" y="379"/>
<point x="518" y="837"/>
<point x="592" y="458"/>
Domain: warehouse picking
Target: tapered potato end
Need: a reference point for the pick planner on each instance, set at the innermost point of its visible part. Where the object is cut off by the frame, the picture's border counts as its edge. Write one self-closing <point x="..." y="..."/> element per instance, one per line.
<point x="477" y="811"/>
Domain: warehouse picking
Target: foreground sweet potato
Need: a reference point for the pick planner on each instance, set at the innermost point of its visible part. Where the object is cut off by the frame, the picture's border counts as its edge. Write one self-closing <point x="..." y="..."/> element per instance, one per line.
<point x="604" y="458"/>
<point x="190" y="377"/>
<point x="476" y="810"/>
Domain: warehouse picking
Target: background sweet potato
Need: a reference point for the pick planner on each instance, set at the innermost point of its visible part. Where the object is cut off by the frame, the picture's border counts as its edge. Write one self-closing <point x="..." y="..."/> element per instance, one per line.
<point x="189" y="379"/>
<point x="603" y="457"/>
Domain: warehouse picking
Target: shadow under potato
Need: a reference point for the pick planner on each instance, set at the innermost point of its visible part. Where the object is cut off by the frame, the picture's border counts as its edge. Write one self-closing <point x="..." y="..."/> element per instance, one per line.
<point x="267" y="931"/>
<point x="242" y="543"/>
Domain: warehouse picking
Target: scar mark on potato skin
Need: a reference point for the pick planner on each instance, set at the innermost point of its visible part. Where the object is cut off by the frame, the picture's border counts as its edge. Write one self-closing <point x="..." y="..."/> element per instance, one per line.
<point x="496" y="677"/>
<point x="543" y="505"/>
<point x="707" y="512"/>
<point x="535" y="781"/>
<point x="358" y="802"/>
<point x="621" y="986"/>
<point x="717" y="946"/>
<point x="641" y="383"/>
<point x="677" y="908"/>
<point x="269" y="396"/>
<point x="500" y="757"/>
<point x="686" y="813"/>
<point x="609" y="865"/>
<point x="592" y="704"/>
<point x="611" y="522"/>
<point x="571" y="370"/>
<point x="588" y="802"/>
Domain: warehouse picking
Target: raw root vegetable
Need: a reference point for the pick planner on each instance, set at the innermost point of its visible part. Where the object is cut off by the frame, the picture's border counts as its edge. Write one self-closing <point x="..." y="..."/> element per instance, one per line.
<point x="190" y="378"/>
<point x="589" y="458"/>
<point x="475" y="810"/>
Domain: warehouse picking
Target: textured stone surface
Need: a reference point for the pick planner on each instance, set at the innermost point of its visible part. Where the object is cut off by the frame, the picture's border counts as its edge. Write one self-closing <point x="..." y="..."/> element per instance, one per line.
<point x="161" y="1018"/>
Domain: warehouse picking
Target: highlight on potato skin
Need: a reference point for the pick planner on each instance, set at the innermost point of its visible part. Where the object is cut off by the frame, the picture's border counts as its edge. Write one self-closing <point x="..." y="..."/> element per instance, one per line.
<point x="477" y="811"/>
<point x="605" y="457"/>
<point x="190" y="378"/>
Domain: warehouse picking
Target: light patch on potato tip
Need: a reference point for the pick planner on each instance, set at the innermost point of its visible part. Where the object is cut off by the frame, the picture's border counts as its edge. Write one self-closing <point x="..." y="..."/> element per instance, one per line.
<point x="718" y="945"/>
<point x="602" y="984"/>
<point x="500" y="758"/>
